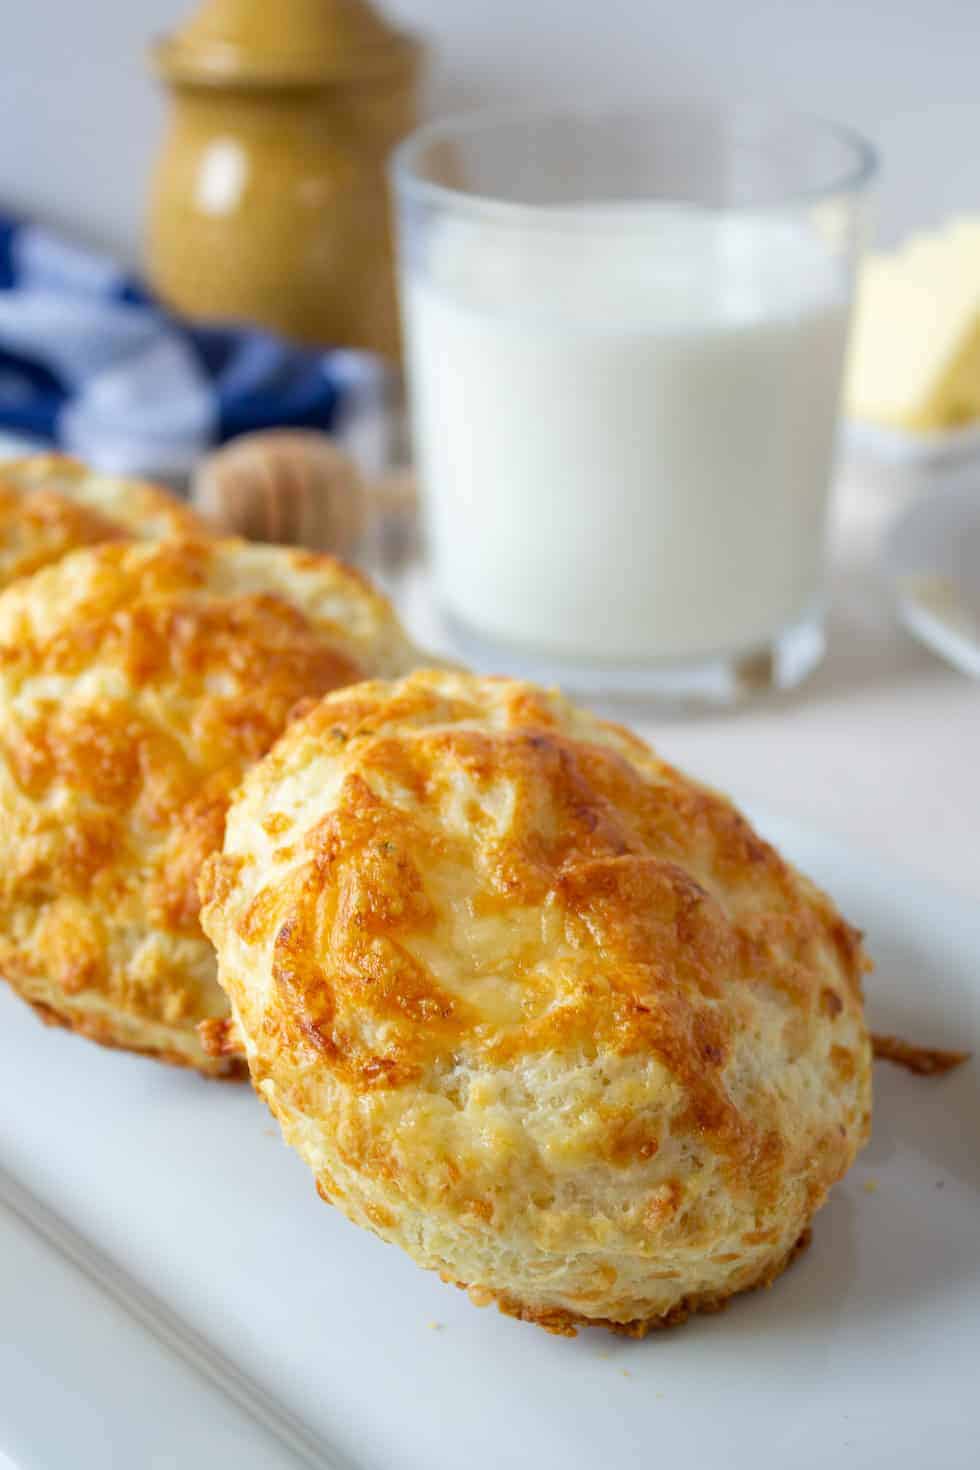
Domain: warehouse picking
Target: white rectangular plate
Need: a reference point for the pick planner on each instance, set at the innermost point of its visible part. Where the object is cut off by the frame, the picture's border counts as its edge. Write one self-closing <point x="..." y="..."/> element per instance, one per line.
<point x="174" y="1294"/>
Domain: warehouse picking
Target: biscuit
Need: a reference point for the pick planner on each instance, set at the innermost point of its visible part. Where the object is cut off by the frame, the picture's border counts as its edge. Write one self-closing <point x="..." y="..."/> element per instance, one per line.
<point x="51" y="504"/>
<point x="137" y="682"/>
<point x="534" y="1005"/>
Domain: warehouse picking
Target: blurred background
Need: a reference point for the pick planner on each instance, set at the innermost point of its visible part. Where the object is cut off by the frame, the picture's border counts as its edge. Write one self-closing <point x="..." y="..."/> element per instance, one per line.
<point x="82" y="117"/>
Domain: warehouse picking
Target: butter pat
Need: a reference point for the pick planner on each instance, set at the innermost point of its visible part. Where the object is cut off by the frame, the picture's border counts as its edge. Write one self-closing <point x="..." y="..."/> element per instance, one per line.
<point x="914" y="360"/>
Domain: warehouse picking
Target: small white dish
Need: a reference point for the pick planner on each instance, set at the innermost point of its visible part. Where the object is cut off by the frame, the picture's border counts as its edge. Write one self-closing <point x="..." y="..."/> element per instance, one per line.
<point x="173" y="1293"/>
<point x="932" y="556"/>
<point x="939" y="450"/>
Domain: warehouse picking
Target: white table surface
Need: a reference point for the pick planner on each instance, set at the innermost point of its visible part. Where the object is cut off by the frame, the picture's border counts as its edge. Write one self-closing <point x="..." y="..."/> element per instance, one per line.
<point x="880" y="747"/>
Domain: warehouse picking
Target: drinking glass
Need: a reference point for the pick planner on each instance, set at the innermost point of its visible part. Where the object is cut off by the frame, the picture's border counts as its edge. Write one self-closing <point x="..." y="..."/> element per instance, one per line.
<point x="625" y="332"/>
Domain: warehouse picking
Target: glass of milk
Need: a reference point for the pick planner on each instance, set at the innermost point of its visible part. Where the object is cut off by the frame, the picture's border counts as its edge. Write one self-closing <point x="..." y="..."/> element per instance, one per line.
<point x="625" y="332"/>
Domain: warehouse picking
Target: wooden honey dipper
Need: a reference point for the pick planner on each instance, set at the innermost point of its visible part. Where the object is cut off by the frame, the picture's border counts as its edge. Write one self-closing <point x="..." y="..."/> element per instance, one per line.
<point x="297" y="487"/>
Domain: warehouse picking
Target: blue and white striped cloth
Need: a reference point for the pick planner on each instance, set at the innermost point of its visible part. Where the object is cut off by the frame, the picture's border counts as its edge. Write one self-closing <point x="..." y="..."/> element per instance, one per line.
<point x="89" y="362"/>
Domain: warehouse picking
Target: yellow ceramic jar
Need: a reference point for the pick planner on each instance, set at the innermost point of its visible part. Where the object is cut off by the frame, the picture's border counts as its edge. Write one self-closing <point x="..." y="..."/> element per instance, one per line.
<point x="269" y="202"/>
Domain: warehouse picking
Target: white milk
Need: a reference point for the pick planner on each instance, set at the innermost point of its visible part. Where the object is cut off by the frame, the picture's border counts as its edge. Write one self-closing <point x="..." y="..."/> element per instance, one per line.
<point x="624" y="426"/>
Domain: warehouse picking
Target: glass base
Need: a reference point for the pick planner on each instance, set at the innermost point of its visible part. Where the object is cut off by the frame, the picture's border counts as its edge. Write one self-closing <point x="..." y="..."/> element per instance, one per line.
<point x="725" y="679"/>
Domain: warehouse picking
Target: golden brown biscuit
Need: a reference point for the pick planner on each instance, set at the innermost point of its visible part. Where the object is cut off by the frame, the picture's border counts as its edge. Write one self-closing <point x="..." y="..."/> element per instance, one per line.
<point x="137" y="682"/>
<point x="535" y="1006"/>
<point x="51" y="504"/>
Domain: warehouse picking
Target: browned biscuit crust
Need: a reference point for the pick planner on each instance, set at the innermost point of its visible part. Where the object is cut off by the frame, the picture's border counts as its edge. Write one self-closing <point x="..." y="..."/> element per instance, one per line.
<point x="924" y="1061"/>
<point x="104" y="1034"/>
<point x="51" y="504"/>
<point x="138" y="681"/>
<point x="567" y="1324"/>
<point x="533" y="1004"/>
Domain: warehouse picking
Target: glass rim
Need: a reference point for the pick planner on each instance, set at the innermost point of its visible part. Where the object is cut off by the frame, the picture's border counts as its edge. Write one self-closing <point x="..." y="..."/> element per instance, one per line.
<point x="405" y="178"/>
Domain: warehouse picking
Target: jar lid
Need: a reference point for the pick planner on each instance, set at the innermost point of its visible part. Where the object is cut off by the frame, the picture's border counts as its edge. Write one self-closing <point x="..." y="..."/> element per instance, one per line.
<point x="300" y="42"/>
